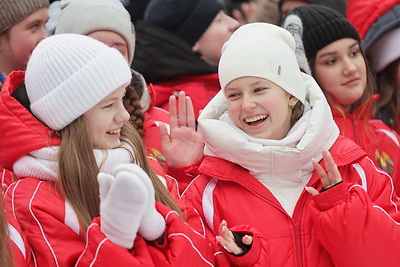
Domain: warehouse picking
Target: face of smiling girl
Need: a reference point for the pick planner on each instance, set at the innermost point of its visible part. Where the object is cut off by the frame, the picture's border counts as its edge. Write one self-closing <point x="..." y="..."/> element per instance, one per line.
<point x="259" y="107"/>
<point x="105" y="120"/>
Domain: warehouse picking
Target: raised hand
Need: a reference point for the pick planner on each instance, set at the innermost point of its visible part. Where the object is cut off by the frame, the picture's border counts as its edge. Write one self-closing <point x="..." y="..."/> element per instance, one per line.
<point x="329" y="178"/>
<point x="183" y="146"/>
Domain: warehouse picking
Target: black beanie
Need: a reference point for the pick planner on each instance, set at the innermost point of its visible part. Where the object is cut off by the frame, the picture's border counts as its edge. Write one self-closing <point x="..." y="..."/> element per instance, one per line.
<point x="188" y="19"/>
<point x="322" y="26"/>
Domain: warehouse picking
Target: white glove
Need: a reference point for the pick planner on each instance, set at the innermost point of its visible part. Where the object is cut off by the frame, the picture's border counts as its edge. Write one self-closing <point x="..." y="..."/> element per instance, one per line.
<point x="123" y="201"/>
<point x="152" y="225"/>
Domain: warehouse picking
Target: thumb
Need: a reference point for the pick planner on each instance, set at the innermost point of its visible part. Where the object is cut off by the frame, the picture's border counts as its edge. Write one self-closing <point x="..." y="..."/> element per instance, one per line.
<point x="105" y="181"/>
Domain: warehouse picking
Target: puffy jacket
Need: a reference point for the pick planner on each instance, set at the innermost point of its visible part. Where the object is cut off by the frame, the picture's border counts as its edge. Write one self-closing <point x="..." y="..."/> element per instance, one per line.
<point x="250" y="183"/>
<point x="45" y="220"/>
<point x="380" y="142"/>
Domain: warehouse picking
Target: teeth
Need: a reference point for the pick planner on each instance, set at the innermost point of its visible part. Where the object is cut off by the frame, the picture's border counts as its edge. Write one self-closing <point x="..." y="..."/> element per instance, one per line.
<point x="256" y="118"/>
<point x="115" y="131"/>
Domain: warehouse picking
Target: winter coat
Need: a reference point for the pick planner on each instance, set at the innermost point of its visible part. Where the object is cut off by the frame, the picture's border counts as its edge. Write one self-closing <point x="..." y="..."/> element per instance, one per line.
<point x="48" y="225"/>
<point x="247" y="182"/>
<point x="169" y="64"/>
<point x="380" y="142"/>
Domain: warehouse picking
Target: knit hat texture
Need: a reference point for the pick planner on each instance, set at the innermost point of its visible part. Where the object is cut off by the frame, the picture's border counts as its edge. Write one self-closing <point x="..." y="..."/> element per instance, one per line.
<point x="262" y="50"/>
<point x="322" y="26"/>
<point x="67" y="74"/>
<point x="13" y="11"/>
<point x="86" y="16"/>
<point x="188" y="19"/>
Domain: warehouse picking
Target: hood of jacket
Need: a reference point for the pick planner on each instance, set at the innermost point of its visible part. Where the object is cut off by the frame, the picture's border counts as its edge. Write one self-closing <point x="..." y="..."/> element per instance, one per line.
<point x="160" y="55"/>
<point x="373" y="18"/>
<point x="20" y="131"/>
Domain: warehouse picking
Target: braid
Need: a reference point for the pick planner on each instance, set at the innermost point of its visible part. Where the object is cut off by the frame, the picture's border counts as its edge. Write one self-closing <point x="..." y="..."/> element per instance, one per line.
<point x="133" y="106"/>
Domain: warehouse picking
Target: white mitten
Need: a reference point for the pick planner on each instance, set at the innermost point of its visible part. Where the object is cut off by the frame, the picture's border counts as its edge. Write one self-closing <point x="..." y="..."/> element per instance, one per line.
<point x="152" y="225"/>
<point x="123" y="200"/>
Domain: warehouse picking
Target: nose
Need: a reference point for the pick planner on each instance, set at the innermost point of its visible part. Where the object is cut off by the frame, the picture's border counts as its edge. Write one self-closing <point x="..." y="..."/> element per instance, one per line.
<point x="43" y="33"/>
<point x="122" y="114"/>
<point x="233" y="23"/>
<point x="248" y="103"/>
<point x="349" y="66"/>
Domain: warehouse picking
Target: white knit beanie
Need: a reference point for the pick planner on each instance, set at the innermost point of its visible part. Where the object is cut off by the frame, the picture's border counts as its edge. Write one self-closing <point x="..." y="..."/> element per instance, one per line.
<point x="67" y="74"/>
<point x="87" y="16"/>
<point x="262" y="50"/>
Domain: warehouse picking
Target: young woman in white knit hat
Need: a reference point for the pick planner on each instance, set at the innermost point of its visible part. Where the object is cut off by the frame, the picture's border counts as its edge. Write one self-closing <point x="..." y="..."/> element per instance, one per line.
<point x="278" y="174"/>
<point x="68" y="139"/>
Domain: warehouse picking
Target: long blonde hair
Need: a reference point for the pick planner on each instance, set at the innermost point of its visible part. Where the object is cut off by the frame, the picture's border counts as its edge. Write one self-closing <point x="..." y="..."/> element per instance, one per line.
<point x="78" y="170"/>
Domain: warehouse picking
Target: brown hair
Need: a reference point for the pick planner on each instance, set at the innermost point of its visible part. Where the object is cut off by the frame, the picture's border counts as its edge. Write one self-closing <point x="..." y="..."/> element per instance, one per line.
<point x="5" y="243"/>
<point x="389" y="90"/>
<point x="133" y="106"/>
<point x="78" y="170"/>
<point x="297" y="112"/>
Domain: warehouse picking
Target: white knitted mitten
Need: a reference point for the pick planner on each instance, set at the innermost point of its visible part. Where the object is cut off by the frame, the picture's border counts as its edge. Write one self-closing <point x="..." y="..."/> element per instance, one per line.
<point x="152" y="225"/>
<point x="123" y="200"/>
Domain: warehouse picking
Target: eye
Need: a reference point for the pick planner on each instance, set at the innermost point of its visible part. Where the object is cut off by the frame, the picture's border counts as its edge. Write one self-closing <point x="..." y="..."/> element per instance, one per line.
<point x="331" y="61"/>
<point x="232" y="95"/>
<point x="355" y="53"/>
<point x="108" y="106"/>
<point x="257" y="90"/>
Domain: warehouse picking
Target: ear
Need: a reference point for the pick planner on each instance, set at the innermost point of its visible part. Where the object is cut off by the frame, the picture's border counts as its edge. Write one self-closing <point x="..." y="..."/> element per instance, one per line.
<point x="292" y="101"/>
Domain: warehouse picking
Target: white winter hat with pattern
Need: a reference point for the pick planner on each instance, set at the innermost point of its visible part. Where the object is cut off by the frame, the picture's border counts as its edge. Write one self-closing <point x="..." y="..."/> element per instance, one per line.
<point x="67" y="74"/>
<point x="262" y="50"/>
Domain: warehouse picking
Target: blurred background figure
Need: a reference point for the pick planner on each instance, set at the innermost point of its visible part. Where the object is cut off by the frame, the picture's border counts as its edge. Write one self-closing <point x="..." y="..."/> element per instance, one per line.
<point x="378" y="23"/>
<point x="22" y="27"/>
<point x="178" y="46"/>
<point x="286" y="5"/>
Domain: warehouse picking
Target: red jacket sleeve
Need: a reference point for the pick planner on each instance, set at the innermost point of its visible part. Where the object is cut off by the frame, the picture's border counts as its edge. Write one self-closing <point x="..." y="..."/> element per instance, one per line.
<point x="359" y="224"/>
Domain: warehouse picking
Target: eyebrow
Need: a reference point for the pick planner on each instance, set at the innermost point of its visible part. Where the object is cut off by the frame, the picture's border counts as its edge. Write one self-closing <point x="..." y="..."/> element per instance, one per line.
<point x="334" y="52"/>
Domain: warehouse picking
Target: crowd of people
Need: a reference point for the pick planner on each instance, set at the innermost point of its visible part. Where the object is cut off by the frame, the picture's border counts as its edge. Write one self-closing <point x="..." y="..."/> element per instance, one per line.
<point x="199" y="132"/>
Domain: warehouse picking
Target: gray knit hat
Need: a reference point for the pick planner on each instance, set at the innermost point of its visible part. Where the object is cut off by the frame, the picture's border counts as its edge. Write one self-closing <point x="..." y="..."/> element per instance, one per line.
<point x="86" y="16"/>
<point x="13" y="11"/>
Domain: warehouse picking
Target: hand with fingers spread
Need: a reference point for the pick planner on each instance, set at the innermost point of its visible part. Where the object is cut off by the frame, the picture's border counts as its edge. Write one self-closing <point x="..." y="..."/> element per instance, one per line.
<point x="183" y="146"/>
<point x="329" y="178"/>
<point x="227" y="240"/>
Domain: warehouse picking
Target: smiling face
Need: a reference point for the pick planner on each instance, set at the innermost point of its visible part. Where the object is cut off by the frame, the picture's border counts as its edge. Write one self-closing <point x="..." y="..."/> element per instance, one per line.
<point x="259" y="107"/>
<point x="340" y="69"/>
<point x="105" y="120"/>
<point x="17" y="44"/>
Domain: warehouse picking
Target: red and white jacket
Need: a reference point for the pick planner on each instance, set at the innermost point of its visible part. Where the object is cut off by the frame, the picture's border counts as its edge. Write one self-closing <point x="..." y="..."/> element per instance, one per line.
<point x="260" y="183"/>
<point x="46" y="229"/>
<point x="381" y="143"/>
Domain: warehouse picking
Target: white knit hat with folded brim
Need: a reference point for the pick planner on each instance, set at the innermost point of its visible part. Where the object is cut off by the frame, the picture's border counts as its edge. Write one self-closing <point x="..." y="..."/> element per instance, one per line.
<point x="67" y="74"/>
<point x="87" y="16"/>
<point x="262" y="50"/>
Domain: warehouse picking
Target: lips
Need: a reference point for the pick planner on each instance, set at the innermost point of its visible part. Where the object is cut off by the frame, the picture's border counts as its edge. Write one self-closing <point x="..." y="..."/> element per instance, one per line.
<point x="351" y="81"/>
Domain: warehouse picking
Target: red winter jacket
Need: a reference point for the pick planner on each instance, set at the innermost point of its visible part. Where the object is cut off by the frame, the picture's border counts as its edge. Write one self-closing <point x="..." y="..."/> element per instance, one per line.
<point x="47" y="230"/>
<point x="380" y="142"/>
<point x="350" y="224"/>
<point x="201" y="89"/>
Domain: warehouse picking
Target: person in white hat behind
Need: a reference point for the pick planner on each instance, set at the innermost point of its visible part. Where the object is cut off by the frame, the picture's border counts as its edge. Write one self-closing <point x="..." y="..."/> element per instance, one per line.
<point x="85" y="191"/>
<point x="276" y="171"/>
